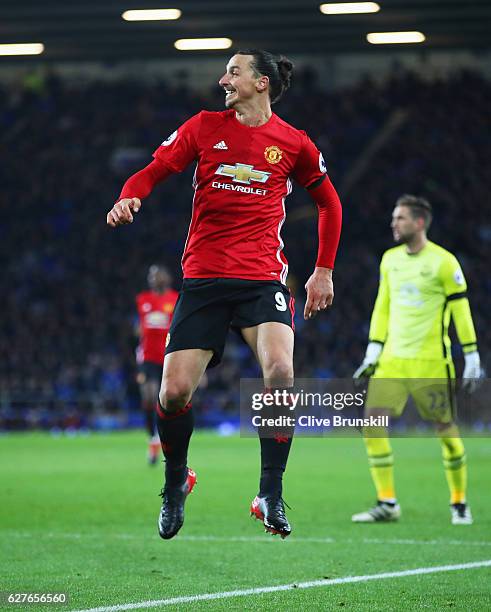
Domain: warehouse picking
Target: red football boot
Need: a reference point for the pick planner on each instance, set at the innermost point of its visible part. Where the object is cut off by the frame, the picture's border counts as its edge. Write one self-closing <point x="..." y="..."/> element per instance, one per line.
<point x="271" y="511"/>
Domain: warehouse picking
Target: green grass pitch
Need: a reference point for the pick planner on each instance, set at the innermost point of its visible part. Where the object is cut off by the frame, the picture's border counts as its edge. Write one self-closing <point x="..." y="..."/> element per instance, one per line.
<point x="78" y="515"/>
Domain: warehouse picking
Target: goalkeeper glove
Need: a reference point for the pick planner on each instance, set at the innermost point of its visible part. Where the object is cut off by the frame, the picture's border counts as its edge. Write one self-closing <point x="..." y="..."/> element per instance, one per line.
<point x="472" y="375"/>
<point x="372" y="355"/>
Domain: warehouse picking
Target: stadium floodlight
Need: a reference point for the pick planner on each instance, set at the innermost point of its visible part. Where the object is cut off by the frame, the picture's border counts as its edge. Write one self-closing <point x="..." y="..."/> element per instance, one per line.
<point x="202" y="44"/>
<point x="22" y="49"/>
<point x="151" y="15"/>
<point x="391" y="38"/>
<point x="349" y="8"/>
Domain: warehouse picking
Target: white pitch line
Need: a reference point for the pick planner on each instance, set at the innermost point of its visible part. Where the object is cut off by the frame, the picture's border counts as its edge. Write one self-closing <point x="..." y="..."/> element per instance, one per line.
<point x="404" y="541"/>
<point x="189" y="538"/>
<point x="288" y="587"/>
<point x="262" y="539"/>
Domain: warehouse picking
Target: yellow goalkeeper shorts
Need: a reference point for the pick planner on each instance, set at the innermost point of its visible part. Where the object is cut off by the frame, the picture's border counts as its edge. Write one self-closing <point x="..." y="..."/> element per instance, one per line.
<point x="431" y="384"/>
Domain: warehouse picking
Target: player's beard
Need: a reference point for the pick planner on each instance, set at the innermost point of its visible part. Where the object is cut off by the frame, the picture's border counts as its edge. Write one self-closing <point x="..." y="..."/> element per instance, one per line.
<point x="403" y="238"/>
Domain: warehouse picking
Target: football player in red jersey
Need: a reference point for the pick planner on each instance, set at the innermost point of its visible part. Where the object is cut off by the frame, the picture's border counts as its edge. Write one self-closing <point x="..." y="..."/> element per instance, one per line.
<point x="155" y="308"/>
<point x="233" y="263"/>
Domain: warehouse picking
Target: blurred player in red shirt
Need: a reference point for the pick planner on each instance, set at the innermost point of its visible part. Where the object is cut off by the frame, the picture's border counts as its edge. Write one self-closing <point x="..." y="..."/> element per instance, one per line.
<point x="155" y="308"/>
<point x="234" y="266"/>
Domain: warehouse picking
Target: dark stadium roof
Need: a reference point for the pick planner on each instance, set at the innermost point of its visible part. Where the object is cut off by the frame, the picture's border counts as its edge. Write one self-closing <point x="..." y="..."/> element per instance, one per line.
<point x="94" y="30"/>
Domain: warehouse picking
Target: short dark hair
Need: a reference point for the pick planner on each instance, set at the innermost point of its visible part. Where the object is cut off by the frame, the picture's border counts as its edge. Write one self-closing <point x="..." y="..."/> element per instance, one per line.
<point x="419" y="207"/>
<point x="277" y="68"/>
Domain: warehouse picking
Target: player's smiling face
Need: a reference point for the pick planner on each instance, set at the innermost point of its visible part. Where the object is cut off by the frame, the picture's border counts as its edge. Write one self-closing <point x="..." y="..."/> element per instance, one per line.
<point x="404" y="225"/>
<point x="240" y="82"/>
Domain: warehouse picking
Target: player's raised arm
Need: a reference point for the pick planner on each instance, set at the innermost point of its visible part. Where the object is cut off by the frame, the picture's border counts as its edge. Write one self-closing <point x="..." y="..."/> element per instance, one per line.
<point x="378" y="328"/>
<point x="173" y="155"/>
<point x="136" y="188"/>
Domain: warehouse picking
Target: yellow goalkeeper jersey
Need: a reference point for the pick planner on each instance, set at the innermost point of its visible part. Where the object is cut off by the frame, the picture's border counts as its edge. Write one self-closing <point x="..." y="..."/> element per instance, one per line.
<point x="418" y="295"/>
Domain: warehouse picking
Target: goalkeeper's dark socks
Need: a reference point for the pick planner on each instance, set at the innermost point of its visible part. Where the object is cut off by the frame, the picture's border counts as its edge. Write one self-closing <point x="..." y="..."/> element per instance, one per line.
<point x="175" y="430"/>
<point x="274" y="456"/>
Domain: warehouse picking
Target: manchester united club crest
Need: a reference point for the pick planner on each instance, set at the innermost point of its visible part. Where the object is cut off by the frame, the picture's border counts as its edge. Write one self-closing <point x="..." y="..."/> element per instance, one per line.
<point x="273" y="154"/>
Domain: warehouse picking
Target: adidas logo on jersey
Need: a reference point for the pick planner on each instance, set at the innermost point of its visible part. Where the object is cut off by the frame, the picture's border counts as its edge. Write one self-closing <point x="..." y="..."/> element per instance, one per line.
<point x="221" y="145"/>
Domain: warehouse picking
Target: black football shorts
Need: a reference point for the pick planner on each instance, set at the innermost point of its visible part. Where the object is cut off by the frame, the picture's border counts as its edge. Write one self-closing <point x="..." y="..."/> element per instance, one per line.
<point x="208" y="307"/>
<point x="149" y="371"/>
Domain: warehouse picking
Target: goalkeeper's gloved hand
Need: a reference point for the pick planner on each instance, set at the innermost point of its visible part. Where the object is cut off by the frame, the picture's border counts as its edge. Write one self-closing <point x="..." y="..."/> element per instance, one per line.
<point x="472" y="375"/>
<point x="372" y="355"/>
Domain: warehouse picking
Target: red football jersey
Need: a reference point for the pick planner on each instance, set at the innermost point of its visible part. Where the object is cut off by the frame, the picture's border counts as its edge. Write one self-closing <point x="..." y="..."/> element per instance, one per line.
<point x="241" y="181"/>
<point x="155" y="315"/>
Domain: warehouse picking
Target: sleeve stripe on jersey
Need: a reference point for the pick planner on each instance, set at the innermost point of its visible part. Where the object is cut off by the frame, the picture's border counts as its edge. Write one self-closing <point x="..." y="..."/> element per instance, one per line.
<point x="456" y="296"/>
<point x="381" y="342"/>
<point x="445" y="351"/>
<point x="469" y="347"/>
<point x="316" y="183"/>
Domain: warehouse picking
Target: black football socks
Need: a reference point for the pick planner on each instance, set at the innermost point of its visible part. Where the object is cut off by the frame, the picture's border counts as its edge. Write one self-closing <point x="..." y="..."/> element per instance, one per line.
<point x="150" y="422"/>
<point x="275" y="443"/>
<point x="175" y="430"/>
<point x="274" y="456"/>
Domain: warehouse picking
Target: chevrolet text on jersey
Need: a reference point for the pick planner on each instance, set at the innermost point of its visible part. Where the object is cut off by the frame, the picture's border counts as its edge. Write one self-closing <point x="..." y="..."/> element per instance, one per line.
<point x="239" y="188"/>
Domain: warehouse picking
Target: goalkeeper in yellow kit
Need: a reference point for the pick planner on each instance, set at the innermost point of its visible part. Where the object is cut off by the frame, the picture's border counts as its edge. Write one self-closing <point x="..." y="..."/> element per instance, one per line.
<point x="421" y="288"/>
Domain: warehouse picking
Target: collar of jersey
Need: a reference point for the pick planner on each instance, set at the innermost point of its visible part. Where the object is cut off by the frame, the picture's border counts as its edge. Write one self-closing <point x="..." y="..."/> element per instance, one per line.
<point x="268" y="123"/>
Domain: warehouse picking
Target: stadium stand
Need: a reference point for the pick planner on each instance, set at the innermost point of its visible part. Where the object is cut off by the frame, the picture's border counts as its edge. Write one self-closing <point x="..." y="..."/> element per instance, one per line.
<point x="68" y="282"/>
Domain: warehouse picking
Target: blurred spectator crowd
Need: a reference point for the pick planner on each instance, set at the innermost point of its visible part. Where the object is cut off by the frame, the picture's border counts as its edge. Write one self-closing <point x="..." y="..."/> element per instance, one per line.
<point x="68" y="282"/>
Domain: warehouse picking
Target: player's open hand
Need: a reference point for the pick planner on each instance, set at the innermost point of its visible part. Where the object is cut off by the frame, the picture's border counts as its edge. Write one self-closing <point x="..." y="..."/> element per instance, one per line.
<point x="122" y="212"/>
<point x="472" y="377"/>
<point x="320" y="292"/>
